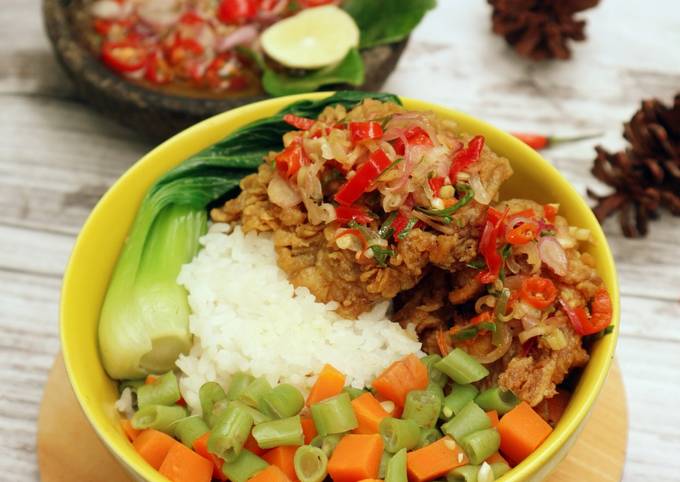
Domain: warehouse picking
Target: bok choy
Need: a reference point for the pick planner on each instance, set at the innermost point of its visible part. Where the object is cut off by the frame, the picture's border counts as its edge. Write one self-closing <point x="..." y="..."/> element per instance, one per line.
<point x="144" y="322"/>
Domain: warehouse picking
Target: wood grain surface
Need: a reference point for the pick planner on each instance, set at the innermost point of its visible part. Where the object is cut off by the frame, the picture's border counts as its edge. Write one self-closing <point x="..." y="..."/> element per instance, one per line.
<point x="57" y="157"/>
<point x="598" y="453"/>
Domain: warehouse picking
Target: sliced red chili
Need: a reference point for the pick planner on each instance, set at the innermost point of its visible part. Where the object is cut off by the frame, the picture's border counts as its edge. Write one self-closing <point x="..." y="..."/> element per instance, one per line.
<point x="289" y="161"/>
<point x="344" y="214"/>
<point x="600" y="314"/>
<point x="238" y="82"/>
<point x="524" y="213"/>
<point x="537" y="141"/>
<point x="124" y="56"/>
<point x="538" y="292"/>
<point x="361" y="131"/>
<point x="465" y="157"/>
<point x="488" y="245"/>
<point x="435" y="184"/>
<point x="415" y="136"/>
<point x="363" y="178"/>
<point x="157" y="70"/>
<point x="483" y="317"/>
<point x="191" y="18"/>
<point x="184" y="48"/>
<point x="301" y="123"/>
<point x="550" y="212"/>
<point x="399" y="224"/>
<point x="237" y="11"/>
<point x="522" y="234"/>
<point x="357" y="234"/>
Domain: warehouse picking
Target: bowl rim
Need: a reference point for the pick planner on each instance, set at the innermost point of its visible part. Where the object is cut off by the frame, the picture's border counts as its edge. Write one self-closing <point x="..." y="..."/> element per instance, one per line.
<point x="565" y="431"/>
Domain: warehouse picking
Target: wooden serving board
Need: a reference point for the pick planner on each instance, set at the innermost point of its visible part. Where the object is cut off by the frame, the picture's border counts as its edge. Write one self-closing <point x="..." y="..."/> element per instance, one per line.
<point x="69" y="449"/>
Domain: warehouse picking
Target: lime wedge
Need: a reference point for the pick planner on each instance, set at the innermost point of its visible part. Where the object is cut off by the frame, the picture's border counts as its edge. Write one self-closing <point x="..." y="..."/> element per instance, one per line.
<point x="313" y="38"/>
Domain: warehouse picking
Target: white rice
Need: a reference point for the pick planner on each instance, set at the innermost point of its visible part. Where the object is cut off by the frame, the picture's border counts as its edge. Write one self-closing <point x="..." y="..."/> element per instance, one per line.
<point x="247" y="317"/>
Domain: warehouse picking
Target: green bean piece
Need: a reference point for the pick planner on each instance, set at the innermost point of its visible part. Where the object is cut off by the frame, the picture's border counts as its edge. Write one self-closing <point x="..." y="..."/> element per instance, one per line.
<point x="188" y="429"/>
<point x="230" y="432"/>
<point x="428" y="436"/>
<point x="396" y="468"/>
<point x="459" y="397"/>
<point x="282" y="401"/>
<point x="327" y="443"/>
<point x="284" y="431"/>
<point x="399" y="434"/>
<point x="158" y="417"/>
<point x="499" y="469"/>
<point x="209" y="394"/>
<point x="466" y="473"/>
<point x="163" y="391"/>
<point x="244" y="466"/>
<point x="334" y="415"/>
<point x="384" y="461"/>
<point x="461" y="367"/>
<point x="258" y="417"/>
<point x="433" y="373"/>
<point x="353" y="392"/>
<point x="239" y="382"/>
<point x="131" y="384"/>
<point x="497" y="399"/>
<point x="311" y="464"/>
<point x="481" y="444"/>
<point x="422" y="406"/>
<point x="253" y="393"/>
<point x="437" y="390"/>
<point x="470" y="419"/>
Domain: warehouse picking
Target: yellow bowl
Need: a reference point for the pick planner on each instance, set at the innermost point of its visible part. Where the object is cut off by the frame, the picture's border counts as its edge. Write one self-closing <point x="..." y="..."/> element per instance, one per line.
<point x="102" y="236"/>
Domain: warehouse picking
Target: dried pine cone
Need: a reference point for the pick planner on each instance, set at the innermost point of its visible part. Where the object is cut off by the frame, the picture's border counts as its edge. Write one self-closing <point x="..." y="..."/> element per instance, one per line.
<point x="646" y="176"/>
<point x="540" y="29"/>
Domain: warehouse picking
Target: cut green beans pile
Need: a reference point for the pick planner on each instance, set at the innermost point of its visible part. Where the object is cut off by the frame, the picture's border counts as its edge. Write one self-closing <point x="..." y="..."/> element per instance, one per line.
<point x="421" y="420"/>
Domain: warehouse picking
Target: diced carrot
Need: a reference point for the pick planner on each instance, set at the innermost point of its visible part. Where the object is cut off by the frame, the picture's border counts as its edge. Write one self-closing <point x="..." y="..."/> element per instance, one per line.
<point x="493" y="416"/>
<point x="522" y="430"/>
<point x="282" y="457"/>
<point x="308" y="428"/>
<point x="371" y="480"/>
<point x="369" y="413"/>
<point x="184" y="465"/>
<point x="496" y="458"/>
<point x="131" y="432"/>
<point x="401" y="377"/>
<point x="330" y="383"/>
<point x="434" y="460"/>
<point x="201" y="448"/>
<point x="251" y="444"/>
<point x="356" y="457"/>
<point x="270" y="474"/>
<point x="557" y="405"/>
<point x="150" y="379"/>
<point x="153" y="446"/>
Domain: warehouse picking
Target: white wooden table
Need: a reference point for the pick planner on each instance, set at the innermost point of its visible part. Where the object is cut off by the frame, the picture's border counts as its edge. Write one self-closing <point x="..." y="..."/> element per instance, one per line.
<point x="57" y="157"/>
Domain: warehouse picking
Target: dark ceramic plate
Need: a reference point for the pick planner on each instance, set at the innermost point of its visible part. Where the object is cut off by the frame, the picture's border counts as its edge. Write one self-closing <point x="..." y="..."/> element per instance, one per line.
<point x="153" y="112"/>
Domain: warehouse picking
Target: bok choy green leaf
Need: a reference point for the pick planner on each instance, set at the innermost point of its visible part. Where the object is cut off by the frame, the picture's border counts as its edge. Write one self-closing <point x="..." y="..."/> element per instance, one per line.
<point x="144" y="322"/>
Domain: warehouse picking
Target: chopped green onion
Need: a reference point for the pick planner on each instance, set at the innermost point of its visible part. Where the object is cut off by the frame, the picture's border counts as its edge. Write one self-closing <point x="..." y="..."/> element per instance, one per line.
<point x="476" y="264"/>
<point x="311" y="464"/>
<point x="386" y="230"/>
<point x="422" y="406"/>
<point x="239" y="383"/>
<point x="499" y="315"/>
<point x="209" y="394"/>
<point x="399" y="434"/>
<point x="163" y="391"/>
<point x="390" y="167"/>
<point x="230" y="433"/>
<point x="459" y="397"/>
<point x="495" y="398"/>
<point x="158" y="417"/>
<point x="428" y="436"/>
<point x="446" y="214"/>
<point x="435" y="375"/>
<point x="381" y="254"/>
<point x="283" y="401"/>
<point x="470" y="419"/>
<point x="478" y="446"/>
<point x="255" y="391"/>
<point x="396" y="468"/>
<point x="407" y="229"/>
<point x="334" y="415"/>
<point x="243" y="467"/>
<point x="188" y="429"/>
<point x="284" y="431"/>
